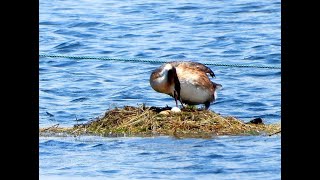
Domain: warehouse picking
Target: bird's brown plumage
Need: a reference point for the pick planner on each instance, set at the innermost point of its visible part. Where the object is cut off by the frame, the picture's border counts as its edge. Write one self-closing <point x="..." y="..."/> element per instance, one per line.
<point x="194" y="84"/>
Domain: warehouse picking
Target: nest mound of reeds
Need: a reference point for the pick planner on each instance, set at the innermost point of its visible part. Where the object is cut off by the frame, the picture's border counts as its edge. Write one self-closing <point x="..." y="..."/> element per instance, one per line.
<point x="146" y="121"/>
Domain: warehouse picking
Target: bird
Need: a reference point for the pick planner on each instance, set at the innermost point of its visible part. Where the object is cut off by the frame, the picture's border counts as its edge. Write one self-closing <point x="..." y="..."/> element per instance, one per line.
<point x="185" y="81"/>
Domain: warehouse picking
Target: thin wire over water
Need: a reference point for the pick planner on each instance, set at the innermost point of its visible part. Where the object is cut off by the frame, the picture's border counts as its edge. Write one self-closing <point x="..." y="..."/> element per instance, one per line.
<point x="153" y="61"/>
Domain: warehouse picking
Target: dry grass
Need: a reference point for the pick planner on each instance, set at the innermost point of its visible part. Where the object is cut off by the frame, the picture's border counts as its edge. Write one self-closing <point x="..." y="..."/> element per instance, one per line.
<point x="145" y="121"/>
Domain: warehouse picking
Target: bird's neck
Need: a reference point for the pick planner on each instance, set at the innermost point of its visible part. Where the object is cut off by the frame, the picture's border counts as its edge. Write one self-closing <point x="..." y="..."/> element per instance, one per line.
<point x="163" y="84"/>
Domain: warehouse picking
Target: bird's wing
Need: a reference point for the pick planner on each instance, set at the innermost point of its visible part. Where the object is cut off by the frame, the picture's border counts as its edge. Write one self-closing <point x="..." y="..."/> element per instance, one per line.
<point x="194" y="76"/>
<point x="195" y="66"/>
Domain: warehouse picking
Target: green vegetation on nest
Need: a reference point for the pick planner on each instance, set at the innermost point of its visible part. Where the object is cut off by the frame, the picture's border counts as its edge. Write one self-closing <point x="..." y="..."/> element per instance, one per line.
<point x="146" y="121"/>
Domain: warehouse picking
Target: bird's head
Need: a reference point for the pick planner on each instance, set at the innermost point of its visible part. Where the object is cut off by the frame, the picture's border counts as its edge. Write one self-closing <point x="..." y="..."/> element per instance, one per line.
<point x="165" y="80"/>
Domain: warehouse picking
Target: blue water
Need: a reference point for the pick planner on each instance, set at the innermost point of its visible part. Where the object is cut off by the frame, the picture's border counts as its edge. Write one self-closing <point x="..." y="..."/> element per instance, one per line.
<point x="207" y="31"/>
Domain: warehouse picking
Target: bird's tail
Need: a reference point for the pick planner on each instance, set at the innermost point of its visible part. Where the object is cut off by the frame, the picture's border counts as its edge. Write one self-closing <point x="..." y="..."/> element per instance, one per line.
<point x="217" y="86"/>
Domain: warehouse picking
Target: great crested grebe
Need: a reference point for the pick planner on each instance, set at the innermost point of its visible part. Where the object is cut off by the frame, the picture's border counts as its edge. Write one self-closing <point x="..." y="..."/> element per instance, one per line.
<point x="185" y="81"/>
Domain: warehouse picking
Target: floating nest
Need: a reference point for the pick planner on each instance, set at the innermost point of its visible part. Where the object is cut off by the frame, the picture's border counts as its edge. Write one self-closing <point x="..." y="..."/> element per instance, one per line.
<point x="150" y="121"/>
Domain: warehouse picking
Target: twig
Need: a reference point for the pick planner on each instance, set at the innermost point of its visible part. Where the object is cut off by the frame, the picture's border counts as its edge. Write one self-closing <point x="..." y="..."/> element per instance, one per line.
<point x="275" y="133"/>
<point x="54" y="126"/>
